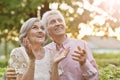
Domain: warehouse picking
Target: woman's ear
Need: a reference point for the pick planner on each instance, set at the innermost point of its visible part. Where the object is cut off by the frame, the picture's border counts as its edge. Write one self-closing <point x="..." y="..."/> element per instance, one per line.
<point x="25" y="39"/>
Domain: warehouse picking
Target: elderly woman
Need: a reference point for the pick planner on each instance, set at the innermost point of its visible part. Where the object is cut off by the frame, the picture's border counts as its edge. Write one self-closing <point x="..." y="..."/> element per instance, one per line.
<point x="31" y="61"/>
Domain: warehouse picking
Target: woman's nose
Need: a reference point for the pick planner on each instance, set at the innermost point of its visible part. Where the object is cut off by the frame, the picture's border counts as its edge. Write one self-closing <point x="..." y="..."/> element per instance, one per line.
<point x="40" y="30"/>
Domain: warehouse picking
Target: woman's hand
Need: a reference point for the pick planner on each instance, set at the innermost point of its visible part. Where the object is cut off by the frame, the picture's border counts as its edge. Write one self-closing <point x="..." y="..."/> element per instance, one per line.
<point x="62" y="54"/>
<point x="28" y="48"/>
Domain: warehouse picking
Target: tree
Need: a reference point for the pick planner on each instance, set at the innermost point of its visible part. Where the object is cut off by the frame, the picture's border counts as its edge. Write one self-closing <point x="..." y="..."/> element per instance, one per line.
<point x="14" y="12"/>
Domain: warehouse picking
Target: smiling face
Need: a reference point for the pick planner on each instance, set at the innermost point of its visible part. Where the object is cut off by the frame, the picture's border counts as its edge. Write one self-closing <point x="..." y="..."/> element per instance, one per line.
<point x="55" y="25"/>
<point x="36" y="33"/>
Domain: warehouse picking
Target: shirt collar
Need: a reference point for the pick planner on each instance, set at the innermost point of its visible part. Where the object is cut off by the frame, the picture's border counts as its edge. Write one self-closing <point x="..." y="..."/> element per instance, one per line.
<point x="58" y="47"/>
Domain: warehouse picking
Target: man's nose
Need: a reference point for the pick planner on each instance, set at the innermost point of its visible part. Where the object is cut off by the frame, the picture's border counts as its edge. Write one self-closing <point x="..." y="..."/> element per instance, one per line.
<point x="57" y="21"/>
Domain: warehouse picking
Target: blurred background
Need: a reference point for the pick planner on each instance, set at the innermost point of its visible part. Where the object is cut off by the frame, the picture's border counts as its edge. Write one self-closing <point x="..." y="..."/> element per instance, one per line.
<point x="96" y="21"/>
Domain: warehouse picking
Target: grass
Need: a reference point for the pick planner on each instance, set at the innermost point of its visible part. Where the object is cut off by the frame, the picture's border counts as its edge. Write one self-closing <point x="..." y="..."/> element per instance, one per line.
<point x="106" y="59"/>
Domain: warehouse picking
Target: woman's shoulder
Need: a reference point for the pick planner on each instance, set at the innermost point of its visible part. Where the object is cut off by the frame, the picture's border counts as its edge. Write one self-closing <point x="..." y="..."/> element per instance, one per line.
<point x="18" y="60"/>
<point x="17" y="50"/>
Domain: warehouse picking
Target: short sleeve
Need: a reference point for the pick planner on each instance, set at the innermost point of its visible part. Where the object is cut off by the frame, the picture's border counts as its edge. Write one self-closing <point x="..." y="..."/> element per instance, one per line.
<point x="18" y="61"/>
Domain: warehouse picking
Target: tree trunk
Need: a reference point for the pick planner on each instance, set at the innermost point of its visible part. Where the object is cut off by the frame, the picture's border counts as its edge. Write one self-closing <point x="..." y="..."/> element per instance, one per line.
<point x="6" y="48"/>
<point x="45" y="8"/>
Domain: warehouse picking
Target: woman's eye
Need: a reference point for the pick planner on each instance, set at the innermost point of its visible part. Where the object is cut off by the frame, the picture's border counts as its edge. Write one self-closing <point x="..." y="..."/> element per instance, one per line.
<point x="42" y="28"/>
<point x="34" y="27"/>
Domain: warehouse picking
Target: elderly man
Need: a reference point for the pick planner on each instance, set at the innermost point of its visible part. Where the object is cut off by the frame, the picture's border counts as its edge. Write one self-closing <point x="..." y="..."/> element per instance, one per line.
<point x="79" y="63"/>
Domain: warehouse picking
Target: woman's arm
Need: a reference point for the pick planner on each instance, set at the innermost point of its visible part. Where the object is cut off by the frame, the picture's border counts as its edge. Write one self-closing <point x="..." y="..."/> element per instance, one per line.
<point x="29" y="74"/>
<point x="54" y="74"/>
<point x="57" y="58"/>
<point x="18" y="77"/>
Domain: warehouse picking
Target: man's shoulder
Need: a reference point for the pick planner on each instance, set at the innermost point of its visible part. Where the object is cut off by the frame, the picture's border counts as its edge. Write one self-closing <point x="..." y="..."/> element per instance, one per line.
<point x="77" y="40"/>
<point x="49" y="46"/>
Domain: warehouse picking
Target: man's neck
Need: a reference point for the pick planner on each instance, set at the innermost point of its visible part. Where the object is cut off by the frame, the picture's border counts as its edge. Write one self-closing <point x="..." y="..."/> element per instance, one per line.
<point x="60" y="39"/>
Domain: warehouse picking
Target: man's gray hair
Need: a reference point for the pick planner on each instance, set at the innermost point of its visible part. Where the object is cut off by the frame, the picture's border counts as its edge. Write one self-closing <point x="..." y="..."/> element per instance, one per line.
<point x="25" y="28"/>
<point x="51" y="12"/>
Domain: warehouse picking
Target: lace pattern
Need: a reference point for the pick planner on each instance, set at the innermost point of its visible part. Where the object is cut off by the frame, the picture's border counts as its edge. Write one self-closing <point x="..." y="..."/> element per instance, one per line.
<point x="19" y="61"/>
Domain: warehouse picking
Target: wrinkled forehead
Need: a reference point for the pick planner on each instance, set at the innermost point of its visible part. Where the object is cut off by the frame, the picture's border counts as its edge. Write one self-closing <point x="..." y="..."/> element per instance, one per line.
<point x="53" y="17"/>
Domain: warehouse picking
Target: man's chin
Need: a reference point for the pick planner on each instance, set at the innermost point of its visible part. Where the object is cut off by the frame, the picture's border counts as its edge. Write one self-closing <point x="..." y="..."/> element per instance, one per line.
<point x="61" y="34"/>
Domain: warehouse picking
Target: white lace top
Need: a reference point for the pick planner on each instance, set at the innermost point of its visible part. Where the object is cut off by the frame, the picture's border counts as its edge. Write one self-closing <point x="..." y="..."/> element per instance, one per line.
<point x="19" y="61"/>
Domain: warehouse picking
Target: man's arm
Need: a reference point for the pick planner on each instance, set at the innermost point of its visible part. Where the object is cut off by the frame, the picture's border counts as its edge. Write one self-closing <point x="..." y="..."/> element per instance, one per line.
<point x="88" y="68"/>
<point x="28" y="75"/>
<point x="10" y="74"/>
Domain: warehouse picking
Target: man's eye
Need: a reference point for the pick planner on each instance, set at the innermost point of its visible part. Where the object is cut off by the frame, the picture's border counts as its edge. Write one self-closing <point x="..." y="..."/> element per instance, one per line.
<point x="60" y="20"/>
<point x="52" y="22"/>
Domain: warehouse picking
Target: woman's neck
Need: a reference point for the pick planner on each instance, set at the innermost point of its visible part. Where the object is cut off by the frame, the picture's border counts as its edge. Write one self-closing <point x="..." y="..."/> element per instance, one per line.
<point x="37" y="47"/>
<point x="38" y="51"/>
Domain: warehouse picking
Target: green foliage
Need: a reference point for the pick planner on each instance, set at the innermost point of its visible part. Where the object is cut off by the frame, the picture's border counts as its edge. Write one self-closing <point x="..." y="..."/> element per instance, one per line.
<point x="110" y="72"/>
<point x="3" y="63"/>
<point x="2" y="71"/>
<point x="106" y="59"/>
<point x="109" y="66"/>
<point x="6" y="47"/>
<point x="12" y="14"/>
<point x="3" y="66"/>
